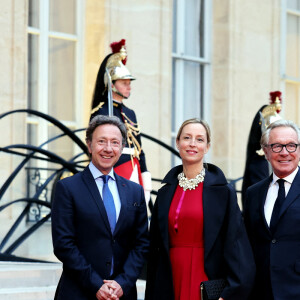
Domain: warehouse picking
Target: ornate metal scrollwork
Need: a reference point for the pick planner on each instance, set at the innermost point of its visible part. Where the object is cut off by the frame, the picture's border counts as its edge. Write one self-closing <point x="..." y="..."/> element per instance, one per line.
<point x="34" y="184"/>
<point x="41" y="181"/>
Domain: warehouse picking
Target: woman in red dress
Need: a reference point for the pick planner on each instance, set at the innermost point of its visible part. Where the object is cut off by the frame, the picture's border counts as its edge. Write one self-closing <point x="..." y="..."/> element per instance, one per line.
<point x="197" y="232"/>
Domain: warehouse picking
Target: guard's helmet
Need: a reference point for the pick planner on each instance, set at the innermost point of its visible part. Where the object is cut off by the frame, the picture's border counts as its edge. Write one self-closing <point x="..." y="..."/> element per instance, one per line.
<point x="271" y="112"/>
<point x="116" y="63"/>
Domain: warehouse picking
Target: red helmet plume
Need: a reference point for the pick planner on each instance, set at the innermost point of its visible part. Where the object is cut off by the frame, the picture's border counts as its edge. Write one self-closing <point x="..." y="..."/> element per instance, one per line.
<point x="116" y="47"/>
<point x="273" y="96"/>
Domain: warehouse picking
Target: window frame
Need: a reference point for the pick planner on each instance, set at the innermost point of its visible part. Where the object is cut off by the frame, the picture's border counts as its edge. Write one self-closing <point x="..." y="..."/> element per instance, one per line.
<point x="284" y="77"/>
<point x="44" y="35"/>
<point x="178" y="60"/>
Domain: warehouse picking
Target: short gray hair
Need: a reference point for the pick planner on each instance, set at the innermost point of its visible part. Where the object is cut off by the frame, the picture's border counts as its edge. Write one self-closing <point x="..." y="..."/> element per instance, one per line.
<point x="279" y="123"/>
<point x="102" y="120"/>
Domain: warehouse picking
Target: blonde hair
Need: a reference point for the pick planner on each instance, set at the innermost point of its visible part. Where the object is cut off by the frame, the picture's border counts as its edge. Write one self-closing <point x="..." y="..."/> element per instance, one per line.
<point x="195" y="121"/>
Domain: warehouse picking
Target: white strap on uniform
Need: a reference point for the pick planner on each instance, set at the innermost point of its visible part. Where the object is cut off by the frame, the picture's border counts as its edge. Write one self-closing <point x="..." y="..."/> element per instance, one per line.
<point x="127" y="150"/>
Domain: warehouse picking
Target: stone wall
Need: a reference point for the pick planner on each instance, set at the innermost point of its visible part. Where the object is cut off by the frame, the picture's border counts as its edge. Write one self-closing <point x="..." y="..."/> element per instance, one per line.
<point x="245" y="69"/>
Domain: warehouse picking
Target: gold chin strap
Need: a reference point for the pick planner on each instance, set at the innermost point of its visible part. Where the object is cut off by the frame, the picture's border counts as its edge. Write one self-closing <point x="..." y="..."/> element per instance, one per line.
<point x="133" y="130"/>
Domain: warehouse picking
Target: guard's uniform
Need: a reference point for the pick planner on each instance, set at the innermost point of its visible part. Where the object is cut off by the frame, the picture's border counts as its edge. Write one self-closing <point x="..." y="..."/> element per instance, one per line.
<point x="257" y="167"/>
<point x="132" y="163"/>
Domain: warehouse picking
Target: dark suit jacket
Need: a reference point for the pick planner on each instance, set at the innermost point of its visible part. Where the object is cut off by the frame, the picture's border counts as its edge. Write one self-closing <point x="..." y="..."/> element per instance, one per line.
<point x="277" y="256"/>
<point x="226" y="247"/>
<point x="83" y="241"/>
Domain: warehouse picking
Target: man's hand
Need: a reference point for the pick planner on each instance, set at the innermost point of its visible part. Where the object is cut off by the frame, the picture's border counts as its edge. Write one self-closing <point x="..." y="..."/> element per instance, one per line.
<point x="115" y="287"/>
<point x="106" y="293"/>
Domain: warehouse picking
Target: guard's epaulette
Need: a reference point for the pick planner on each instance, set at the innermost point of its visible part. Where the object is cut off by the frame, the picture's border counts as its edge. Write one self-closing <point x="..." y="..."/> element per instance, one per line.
<point x="97" y="107"/>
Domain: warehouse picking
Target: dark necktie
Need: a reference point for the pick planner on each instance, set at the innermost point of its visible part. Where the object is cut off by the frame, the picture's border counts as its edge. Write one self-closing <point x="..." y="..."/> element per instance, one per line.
<point x="109" y="204"/>
<point x="278" y="203"/>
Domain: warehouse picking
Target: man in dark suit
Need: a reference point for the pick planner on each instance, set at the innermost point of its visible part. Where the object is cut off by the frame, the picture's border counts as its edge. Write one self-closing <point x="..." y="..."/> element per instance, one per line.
<point x="99" y="222"/>
<point x="272" y="216"/>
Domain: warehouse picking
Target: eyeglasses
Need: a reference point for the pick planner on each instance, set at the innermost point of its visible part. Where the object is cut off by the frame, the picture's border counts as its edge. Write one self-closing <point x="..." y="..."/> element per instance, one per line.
<point x="278" y="147"/>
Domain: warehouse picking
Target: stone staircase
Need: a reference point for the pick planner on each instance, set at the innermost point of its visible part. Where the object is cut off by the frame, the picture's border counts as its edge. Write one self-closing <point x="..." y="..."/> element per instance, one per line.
<point x="28" y="281"/>
<point x="35" y="281"/>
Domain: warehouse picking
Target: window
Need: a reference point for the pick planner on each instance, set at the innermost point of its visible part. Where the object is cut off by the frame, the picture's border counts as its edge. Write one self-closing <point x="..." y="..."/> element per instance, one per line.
<point x="54" y="83"/>
<point x="290" y="58"/>
<point x="54" y="69"/>
<point x="191" y="61"/>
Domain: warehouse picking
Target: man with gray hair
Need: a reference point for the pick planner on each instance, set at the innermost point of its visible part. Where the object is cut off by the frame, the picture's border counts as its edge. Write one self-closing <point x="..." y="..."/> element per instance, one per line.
<point x="99" y="222"/>
<point x="272" y="216"/>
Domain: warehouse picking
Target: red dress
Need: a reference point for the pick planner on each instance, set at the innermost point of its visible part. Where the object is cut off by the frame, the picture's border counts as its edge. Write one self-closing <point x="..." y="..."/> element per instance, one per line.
<point x="186" y="243"/>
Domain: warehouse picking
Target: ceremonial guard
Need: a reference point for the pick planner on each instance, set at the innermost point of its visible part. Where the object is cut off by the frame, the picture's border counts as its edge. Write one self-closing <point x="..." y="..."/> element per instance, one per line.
<point x="257" y="167"/>
<point x="113" y="85"/>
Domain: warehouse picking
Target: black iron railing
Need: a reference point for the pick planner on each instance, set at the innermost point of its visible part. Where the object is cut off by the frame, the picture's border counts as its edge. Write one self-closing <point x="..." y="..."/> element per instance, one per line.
<point x="40" y="188"/>
<point x="41" y="182"/>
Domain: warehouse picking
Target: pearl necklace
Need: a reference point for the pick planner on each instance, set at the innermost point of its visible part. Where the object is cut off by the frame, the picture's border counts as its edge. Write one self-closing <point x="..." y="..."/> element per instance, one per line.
<point x="190" y="184"/>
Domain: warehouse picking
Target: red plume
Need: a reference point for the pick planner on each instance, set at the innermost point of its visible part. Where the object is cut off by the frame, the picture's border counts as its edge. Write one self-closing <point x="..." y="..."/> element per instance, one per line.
<point x="274" y="96"/>
<point x="116" y="47"/>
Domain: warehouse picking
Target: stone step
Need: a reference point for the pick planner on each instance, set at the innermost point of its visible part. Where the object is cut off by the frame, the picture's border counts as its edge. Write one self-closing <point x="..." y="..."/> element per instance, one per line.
<point x="36" y="293"/>
<point x="28" y="281"/>
<point x="27" y="275"/>
<point x="38" y="281"/>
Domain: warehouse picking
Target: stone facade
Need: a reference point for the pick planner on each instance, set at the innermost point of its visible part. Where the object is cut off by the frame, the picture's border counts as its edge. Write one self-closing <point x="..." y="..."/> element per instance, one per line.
<point x="245" y="68"/>
<point x="13" y="91"/>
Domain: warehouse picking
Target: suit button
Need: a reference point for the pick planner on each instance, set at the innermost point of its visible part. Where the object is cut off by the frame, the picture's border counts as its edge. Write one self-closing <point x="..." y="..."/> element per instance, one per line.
<point x="114" y="241"/>
<point x="108" y="263"/>
<point x="274" y="241"/>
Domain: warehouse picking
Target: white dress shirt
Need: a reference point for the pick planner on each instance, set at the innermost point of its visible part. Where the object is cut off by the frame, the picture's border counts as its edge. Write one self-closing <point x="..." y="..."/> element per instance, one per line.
<point x="273" y="193"/>
<point x="111" y="184"/>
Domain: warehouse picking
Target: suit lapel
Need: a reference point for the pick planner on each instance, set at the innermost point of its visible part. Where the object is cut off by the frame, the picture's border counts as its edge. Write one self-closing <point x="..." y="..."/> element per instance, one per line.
<point x="122" y="189"/>
<point x="95" y="195"/>
<point x="214" y="209"/>
<point x="165" y="198"/>
<point x="292" y="195"/>
<point x="261" y="197"/>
